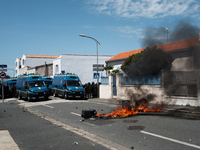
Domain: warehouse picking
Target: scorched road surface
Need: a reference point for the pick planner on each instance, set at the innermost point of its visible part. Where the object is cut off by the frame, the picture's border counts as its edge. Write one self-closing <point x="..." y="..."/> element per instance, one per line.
<point x="144" y="131"/>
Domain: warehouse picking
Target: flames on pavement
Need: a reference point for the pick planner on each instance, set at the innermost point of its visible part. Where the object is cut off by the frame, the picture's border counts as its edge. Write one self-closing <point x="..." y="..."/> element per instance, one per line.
<point x="128" y="111"/>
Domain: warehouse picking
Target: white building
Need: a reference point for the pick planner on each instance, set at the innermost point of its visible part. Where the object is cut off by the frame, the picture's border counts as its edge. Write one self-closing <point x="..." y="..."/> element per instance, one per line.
<point x="29" y="61"/>
<point x="82" y="65"/>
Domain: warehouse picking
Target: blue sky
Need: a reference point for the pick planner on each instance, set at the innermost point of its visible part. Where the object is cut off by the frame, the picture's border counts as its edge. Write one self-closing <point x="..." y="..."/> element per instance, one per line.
<point x="52" y="27"/>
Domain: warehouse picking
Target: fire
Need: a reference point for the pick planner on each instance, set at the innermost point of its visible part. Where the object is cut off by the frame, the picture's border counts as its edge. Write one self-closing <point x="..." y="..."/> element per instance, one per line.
<point x="128" y="111"/>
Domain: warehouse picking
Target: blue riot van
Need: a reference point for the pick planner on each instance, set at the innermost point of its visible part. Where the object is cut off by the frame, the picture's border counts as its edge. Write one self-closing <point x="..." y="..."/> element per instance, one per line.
<point x="11" y="84"/>
<point x="48" y="82"/>
<point x="4" y="85"/>
<point x="31" y="87"/>
<point x="68" y="86"/>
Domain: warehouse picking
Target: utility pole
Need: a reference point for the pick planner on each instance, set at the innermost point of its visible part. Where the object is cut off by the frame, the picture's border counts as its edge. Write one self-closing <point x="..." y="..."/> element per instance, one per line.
<point x="167" y="30"/>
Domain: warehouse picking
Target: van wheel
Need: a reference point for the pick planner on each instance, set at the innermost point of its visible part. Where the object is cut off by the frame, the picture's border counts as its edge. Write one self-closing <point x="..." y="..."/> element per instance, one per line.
<point x="54" y="94"/>
<point x="19" y="96"/>
<point x="65" y="96"/>
<point x="29" y="98"/>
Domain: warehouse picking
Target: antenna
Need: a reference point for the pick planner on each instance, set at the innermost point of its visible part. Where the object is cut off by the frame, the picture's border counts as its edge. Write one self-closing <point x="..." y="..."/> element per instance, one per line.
<point x="167" y="30"/>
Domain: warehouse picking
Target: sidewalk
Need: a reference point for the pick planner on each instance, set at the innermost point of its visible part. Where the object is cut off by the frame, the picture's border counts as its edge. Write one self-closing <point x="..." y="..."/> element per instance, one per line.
<point x="171" y="108"/>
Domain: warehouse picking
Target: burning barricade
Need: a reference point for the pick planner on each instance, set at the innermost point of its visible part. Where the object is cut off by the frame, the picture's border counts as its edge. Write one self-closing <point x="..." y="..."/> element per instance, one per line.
<point x="120" y="112"/>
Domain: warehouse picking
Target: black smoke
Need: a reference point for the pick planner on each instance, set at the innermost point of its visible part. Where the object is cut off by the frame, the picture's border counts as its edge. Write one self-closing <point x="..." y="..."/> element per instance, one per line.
<point x="181" y="31"/>
<point x="175" y="82"/>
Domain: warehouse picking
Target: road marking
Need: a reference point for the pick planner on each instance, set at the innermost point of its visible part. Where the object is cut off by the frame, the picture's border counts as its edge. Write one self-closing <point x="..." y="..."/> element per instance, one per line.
<point x="75" y="114"/>
<point x="7" y="141"/>
<point x="48" y="106"/>
<point x="97" y="139"/>
<point x="170" y="139"/>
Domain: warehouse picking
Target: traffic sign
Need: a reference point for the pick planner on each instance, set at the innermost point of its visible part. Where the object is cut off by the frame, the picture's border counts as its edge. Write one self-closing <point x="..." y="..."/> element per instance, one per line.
<point x="3" y="69"/>
<point x="99" y="69"/>
<point x="2" y="75"/>
<point x="3" y="66"/>
<point x="96" y="76"/>
<point x="99" y="65"/>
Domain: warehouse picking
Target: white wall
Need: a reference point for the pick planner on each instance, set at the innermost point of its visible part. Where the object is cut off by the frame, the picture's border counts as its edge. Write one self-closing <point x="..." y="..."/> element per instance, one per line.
<point x="82" y="65"/>
<point x="106" y="91"/>
<point x="115" y="64"/>
<point x="17" y="67"/>
<point x="182" y="64"/>
<point x="57" y="62"/>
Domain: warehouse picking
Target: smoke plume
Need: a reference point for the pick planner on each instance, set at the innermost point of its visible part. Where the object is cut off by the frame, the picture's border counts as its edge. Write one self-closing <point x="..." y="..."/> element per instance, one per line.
<point x="182" y="30"/>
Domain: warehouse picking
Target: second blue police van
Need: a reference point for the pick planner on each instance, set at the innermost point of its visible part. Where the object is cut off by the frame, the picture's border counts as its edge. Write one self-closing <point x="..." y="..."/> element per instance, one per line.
<point x="31" y="87"/>
<point x="48" y="82"/>
<point x="11" y="84"/>
<point x="68" y="86"/>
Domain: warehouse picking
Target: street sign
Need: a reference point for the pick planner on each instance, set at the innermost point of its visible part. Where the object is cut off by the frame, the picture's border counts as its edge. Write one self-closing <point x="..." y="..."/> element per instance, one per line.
<point x="2" y="75"/>
<point x="96" y="76"/>
<point x="99" y="65"/>
<point x="3" y="69"/>
<point x="99" y="69"/>
<point x="3" y="66"/>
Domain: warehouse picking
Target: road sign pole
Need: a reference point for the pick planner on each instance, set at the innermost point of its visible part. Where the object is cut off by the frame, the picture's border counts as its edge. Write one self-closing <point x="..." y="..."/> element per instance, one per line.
<point x="2" y="76"/>
<point x="2" y="92"/>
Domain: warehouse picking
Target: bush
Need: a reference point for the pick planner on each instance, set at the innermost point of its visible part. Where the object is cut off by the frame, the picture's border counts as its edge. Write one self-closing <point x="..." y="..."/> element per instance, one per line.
<point x="149" y="62"/>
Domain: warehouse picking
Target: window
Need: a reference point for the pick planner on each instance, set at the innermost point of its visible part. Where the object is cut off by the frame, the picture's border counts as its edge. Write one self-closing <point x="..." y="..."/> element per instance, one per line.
<point x="16" y="64"/>
<point x="23" y="61"/>
<point x="56" y="69"/>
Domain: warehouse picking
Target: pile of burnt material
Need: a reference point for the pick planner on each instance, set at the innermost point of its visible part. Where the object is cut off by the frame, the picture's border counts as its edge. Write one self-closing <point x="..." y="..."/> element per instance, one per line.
<point x="88" y="113"/>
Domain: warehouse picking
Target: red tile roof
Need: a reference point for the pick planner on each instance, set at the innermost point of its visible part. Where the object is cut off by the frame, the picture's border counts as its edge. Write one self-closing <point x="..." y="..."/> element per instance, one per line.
<point x="183" y="44"/>
<point x="42" y="56"/>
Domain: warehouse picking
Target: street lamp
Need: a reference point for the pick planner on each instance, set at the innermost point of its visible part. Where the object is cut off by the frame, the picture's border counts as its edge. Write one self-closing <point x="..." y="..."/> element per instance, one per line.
<point x="82" y="35"/>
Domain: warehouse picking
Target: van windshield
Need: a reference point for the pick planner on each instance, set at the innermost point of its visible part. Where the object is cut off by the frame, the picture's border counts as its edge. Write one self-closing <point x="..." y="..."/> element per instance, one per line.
<point x="73" y="83"/>
<point x="35" y="83"/>
<point x="11" y="84"/>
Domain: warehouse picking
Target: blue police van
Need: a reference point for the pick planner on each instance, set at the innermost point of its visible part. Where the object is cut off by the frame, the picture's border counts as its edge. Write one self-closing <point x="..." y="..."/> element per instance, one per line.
<point x="10" y="83"/>
<point x="48" y="82"/>
<point x="67" y="86"/>
<point x="31" y="87"/>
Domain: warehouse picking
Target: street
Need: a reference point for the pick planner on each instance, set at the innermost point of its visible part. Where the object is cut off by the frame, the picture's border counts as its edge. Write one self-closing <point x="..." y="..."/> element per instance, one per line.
<point x="144" y="131"/>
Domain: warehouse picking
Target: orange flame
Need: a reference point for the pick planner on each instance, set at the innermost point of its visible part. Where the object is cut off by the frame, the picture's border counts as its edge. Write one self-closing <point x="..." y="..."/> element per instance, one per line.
<point x="127" y="111"/>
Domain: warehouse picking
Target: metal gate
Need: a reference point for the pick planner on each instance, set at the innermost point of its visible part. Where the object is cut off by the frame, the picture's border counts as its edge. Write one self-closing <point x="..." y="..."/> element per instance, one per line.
<point x="114" y="86"/>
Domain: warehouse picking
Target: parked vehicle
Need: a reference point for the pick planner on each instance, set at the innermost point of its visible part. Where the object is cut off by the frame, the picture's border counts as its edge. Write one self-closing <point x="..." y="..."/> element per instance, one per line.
<point x="10" y="85"/>
<point x="48" y="82"/>
<point x="31" y="87"/>
<point x="5" y="88"/>
<point x="68" y="86"/>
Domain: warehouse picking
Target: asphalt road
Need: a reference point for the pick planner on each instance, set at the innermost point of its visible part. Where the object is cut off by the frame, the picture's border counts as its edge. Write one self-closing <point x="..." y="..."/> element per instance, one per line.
<point x="144" y="131"/>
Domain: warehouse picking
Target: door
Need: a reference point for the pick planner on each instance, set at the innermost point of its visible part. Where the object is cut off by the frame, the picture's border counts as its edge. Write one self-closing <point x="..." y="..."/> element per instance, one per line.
<point x="114" y="86"/>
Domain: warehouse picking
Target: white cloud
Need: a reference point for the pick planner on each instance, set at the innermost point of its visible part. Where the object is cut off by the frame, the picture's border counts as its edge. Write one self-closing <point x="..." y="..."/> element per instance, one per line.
<point x="145" y="8"/>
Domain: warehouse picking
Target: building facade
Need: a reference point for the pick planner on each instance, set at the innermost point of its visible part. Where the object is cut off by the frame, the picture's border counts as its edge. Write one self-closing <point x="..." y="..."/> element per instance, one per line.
<point x="29" y="61"/>
<point x="185" y="71"/>
<point x="82" y="65"/>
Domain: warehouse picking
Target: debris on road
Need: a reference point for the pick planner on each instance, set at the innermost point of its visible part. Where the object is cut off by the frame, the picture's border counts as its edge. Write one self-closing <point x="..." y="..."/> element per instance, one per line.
<point x="75" y="143"/>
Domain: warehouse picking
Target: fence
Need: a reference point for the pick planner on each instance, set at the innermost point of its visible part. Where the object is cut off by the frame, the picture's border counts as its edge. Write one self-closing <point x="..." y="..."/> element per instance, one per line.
<point x="104" y="80"/>
<point x="142" y="80"/>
